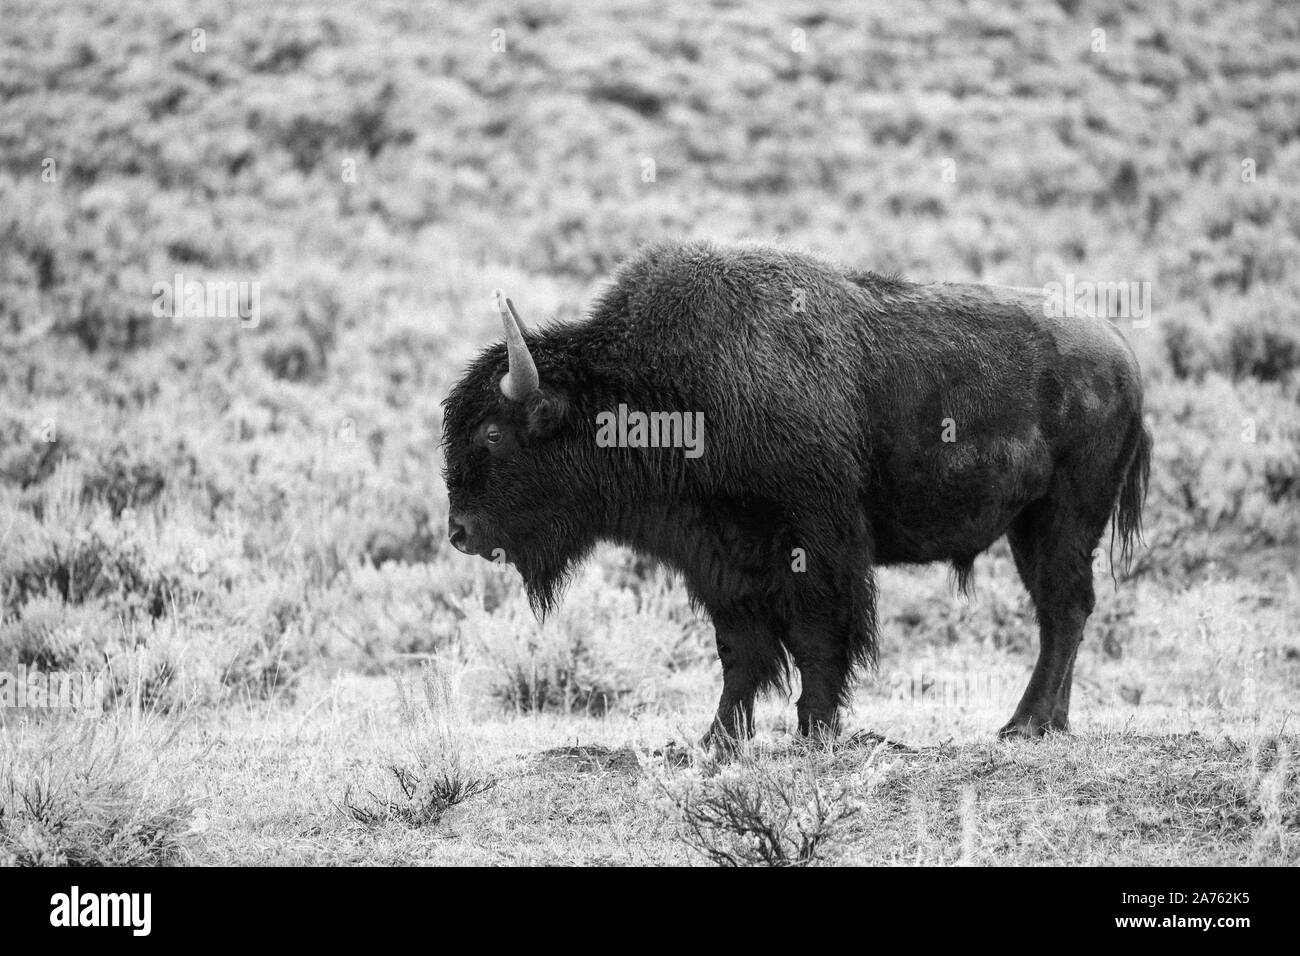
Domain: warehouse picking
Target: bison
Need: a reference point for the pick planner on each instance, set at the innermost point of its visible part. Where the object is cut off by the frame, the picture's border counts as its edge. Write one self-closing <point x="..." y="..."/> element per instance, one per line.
<point x="849" y="420"/>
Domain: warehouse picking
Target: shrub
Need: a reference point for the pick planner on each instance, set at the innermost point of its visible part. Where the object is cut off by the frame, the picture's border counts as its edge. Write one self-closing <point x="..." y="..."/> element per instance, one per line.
<point x="292" y="355"/>
<point x="763" y="812"/>
<point x="54" y="635"/>
<point x="1189" y="348"/>
<point x="26" y="456"/>
<point x="1266" y="347"/>
<point x="268" y="660"/>
<point x="1225" y="458"/>
<point x="122" y="478"/>
<point x="102" y="561"/>
<point x="373" y="617"/>
<point x="603" y="647"/>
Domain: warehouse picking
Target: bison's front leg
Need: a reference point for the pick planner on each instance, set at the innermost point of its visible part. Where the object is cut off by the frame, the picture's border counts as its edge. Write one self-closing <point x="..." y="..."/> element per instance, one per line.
<point x="735" y="718"/>
<point x="751" y="661"/>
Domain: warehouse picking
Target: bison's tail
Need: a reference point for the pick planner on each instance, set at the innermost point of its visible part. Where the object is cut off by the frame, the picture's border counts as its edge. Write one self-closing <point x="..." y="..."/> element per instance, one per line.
<point x="1126" y="522"/>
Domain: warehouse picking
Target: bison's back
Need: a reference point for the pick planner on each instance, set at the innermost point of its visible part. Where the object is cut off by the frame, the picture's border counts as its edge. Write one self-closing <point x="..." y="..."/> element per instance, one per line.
<point x="937" y="410"/>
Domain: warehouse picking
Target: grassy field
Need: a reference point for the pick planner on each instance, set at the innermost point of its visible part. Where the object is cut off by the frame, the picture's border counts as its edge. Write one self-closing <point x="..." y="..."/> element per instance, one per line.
<point x="238" y="525"/>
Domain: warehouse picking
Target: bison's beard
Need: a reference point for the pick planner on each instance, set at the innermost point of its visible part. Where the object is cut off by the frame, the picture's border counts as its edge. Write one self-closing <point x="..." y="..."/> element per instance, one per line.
<point x="547" y="564"/>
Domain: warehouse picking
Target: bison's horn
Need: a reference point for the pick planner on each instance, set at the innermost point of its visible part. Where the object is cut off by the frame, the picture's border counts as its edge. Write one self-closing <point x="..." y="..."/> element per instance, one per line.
<point x="521" y="379"/>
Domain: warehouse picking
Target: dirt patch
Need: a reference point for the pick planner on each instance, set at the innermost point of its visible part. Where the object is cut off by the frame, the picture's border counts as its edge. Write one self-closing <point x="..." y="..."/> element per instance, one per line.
<point x="593" y="758"/>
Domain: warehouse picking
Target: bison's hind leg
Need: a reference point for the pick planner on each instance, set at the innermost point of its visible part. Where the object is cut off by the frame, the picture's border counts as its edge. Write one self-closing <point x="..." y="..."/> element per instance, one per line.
<point x="1052" y="541"/>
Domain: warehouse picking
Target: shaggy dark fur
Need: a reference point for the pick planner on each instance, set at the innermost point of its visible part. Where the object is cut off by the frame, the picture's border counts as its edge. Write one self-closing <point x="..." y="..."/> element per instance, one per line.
<point x="887" y="422"/>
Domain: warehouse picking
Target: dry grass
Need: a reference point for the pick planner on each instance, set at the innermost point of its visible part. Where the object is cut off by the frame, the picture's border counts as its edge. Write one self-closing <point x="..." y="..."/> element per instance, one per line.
<point x="93" y="795"/>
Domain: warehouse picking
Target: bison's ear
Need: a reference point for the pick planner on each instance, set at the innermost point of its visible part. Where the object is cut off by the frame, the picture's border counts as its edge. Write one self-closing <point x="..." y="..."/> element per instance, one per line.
<point x="546" y="410"/>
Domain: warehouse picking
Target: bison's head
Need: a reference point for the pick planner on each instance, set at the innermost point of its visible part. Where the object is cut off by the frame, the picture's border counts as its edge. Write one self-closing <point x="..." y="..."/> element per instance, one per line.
<point x="515" y="465"/>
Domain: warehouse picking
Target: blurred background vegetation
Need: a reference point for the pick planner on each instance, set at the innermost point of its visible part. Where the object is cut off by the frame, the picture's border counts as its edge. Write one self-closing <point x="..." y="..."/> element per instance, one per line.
<point x="212" y="510"/>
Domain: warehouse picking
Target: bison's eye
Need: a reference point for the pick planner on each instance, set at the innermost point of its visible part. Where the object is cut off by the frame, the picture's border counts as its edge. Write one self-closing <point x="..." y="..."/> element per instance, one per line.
<point x="493" y="435"/>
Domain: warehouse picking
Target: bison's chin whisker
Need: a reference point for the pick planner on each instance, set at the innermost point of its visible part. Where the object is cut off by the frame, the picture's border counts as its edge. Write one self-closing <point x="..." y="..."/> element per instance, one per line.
<point x="547" y="572"/>
<point x="546" y="589"/>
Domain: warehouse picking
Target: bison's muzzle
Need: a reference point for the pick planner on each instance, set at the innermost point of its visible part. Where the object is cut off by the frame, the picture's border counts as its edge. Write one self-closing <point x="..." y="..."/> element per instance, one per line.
<point x="460" y="532"/>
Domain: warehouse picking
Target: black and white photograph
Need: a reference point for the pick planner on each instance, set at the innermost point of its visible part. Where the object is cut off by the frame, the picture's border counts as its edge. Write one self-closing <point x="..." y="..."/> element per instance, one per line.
<point x="714" y="434"/>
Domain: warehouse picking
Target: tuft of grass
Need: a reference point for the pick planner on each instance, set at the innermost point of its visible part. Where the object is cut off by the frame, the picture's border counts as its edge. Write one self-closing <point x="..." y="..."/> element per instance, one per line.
<point x="96" y="798"/>
<point x="440" y="773"/>
<point x="1278" y="816"/>
<point x="421" y="801"/>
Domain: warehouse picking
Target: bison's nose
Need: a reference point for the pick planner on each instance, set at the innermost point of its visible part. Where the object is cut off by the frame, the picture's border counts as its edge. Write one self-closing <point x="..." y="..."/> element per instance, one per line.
<point x="458" y="531"/>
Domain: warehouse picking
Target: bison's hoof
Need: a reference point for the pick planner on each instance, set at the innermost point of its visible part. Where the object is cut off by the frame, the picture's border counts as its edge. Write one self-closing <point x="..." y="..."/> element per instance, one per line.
<point x="723" y="743"/>
<point x="1031" y="727"/>
<point x="819" y="729"/>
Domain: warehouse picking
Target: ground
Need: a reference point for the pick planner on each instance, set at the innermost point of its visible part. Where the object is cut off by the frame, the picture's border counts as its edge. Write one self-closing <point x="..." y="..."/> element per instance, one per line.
<point x="1194" y="764"/>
